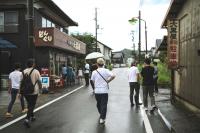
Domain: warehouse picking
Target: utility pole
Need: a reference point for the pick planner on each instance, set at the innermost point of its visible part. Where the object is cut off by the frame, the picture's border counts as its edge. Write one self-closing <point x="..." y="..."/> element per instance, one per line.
<point x="96" y="27"/>
<point x="30" y="27"/>
<point x="146" y="36"/>
<point x="139" y="43"/>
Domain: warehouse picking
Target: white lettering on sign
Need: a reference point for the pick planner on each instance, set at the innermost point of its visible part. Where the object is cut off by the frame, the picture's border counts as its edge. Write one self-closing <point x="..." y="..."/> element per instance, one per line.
<point x="74" y="44"/>
<point x="44" y="35"/>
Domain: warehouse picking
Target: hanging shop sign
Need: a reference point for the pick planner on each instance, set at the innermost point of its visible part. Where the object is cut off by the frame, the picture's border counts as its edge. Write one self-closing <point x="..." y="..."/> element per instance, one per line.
<point x="172" y="43"/>
<point x="44" y="36"/>
<point x="53" y="37"/>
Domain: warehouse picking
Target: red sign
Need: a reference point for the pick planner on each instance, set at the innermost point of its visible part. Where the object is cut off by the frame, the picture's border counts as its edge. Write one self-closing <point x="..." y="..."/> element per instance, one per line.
<point x="172" y="43"/>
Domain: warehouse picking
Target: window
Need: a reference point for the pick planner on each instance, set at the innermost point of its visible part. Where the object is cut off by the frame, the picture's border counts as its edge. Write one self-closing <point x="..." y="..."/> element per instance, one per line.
<point x="1" y="22"/>
<point x="44" y="22"/>
<point x="9" y="21"/>
<point x="53" y="25"/>
<point x="48" y="23"/>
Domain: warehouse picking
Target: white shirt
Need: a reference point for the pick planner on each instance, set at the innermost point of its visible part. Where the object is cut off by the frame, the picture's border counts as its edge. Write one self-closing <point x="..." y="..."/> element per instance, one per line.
<point x="100" y="85"/>
<point x="132" y="74"/>
<point x="15" y="77"/>
<point x="87" y="68"/>
<point x="80" y="72"/>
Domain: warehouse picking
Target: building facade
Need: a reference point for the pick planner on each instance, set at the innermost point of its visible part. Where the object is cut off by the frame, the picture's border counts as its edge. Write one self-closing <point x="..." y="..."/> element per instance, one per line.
<point x="106" y="51"/>
<point x="183" y="48"/>
<point x="38" y="29"/>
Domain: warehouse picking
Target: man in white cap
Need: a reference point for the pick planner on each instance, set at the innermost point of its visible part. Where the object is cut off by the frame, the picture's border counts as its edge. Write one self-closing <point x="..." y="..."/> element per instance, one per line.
<point x="101" y="77"/>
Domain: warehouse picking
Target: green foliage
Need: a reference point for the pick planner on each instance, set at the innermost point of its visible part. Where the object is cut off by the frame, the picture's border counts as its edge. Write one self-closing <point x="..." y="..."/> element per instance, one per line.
<point x="164" y="75"/>
<point x="110" y="67"/>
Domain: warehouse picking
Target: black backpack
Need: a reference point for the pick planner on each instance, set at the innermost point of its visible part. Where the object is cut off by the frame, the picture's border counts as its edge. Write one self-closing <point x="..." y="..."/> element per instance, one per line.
<point x="27" y="87"/>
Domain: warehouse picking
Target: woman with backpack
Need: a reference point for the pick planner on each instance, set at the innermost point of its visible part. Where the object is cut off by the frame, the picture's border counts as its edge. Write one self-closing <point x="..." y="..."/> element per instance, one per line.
<point x="26" y="86"/>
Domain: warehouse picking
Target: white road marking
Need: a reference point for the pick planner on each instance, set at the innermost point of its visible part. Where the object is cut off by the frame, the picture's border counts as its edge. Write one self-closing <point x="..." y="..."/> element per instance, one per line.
<point x="147" y="124"/>
<point x="39" y="108"/>
<point x="165" y="121"/>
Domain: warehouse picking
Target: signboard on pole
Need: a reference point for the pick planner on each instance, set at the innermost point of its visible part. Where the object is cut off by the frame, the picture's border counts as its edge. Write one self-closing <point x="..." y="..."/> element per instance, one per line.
<point x="172" y="43"/>
<point x="45" y="82"/>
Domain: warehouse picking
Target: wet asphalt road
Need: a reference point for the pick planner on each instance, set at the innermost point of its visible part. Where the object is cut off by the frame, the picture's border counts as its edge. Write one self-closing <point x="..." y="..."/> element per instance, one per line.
<point x="77" y="113"/>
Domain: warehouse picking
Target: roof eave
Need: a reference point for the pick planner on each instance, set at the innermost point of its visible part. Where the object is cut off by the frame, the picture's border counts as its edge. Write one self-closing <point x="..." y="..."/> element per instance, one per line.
<point x="173" y="10"/>
<point x="62" y="14"/>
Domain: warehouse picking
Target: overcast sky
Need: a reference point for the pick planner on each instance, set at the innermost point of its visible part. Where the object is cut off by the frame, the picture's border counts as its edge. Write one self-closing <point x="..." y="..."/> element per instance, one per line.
<point x="113" y="15"/>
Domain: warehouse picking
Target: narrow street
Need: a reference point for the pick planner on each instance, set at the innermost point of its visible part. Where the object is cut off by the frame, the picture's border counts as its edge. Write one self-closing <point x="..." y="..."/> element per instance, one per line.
<point x="77" y="113"/>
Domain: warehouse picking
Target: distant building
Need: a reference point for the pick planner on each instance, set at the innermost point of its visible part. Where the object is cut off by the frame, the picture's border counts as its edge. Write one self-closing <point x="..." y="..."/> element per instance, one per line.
<point x="118" y="58"/>
<point x="106" y="51"/>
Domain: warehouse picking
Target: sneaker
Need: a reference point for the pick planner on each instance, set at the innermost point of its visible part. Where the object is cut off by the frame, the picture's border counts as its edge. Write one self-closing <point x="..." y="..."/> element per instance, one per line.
<point x="132" y="104"/>
<point x="138" y="104"/>
<point x="102" y="121"/>
<point x="27" y="123"/>
<point x="145" y="109"/>
<point x="33" y="118"/>
<point x="8" y="115"/>
<point x="153" y="107"/>
<point x="24" y="111"/>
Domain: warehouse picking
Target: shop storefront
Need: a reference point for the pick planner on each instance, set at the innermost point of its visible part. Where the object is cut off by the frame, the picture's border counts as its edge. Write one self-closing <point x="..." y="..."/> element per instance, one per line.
<point x="59" y="47"/>
<point x="49" y="43"/>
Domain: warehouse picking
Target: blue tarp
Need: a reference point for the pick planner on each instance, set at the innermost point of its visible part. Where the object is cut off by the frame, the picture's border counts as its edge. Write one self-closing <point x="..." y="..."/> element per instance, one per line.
<point x="6" y="44"/>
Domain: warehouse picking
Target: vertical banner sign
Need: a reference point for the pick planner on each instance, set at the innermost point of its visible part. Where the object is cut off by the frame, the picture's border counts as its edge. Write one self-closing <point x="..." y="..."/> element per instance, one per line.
<point x="172" y="43"/>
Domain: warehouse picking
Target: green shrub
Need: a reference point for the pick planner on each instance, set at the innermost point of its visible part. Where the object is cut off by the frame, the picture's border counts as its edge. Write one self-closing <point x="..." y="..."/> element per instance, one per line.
<point x="164" y="75"/>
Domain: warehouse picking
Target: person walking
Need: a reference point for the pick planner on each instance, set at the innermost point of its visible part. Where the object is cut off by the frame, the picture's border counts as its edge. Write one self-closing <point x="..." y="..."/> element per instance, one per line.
<point x="80" y="75"/>
<point x="86" y="74"/>
<point x="94" y="67"/>
<point x="32" y="97"/>
<point x="148" y="84"/>
<point x="101" y="77"/>
<point x="155" y="77"/>
<point x="15" y="78"/>
<point x="134" y="78"/>
<point x="64" y="74"/>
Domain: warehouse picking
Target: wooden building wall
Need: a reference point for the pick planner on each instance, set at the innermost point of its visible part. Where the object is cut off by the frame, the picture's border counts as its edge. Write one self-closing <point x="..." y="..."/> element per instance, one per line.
<point x="189" y="57"/>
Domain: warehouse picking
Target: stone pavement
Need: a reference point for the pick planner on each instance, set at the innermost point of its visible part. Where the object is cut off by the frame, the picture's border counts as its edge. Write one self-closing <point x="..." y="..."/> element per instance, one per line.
<point x="180" y="119"/>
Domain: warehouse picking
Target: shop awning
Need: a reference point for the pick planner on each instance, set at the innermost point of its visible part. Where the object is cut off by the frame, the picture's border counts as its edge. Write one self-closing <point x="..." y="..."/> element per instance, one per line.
<point x="6" y="44"/>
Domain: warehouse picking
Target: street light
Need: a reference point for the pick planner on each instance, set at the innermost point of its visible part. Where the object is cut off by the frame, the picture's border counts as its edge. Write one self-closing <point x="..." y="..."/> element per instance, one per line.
<point x="133" y="20"/>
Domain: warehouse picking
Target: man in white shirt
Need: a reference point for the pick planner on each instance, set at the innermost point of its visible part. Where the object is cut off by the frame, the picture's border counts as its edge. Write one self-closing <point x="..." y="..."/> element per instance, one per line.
<point x="86" y="74"/>
<point x="133" y="78"/>
<point x="15" y="78"/>
<point x="101" y="77"/>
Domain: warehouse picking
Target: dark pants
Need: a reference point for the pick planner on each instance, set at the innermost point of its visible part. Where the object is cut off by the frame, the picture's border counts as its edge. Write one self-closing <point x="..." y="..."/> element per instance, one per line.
<point x="148" y="90"/>
<point x="102" y="101"/>
<point x="87" y="79"/>
<point x="31" y="100"/>
<point x="14" y="93"/>
<point x="156" y="85"/>
<point x="134" y="86"/>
